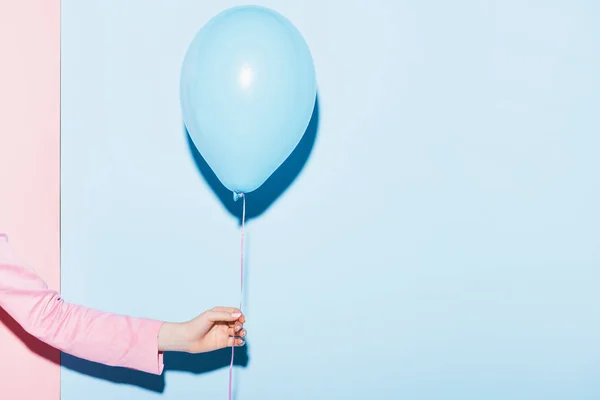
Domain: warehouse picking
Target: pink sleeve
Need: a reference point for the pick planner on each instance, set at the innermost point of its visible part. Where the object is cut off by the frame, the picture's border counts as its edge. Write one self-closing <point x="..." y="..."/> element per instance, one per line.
<point x="97" y="336"/>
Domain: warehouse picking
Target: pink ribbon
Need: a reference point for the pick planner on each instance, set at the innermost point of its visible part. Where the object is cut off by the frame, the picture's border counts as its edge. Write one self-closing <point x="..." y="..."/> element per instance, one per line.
<point x="241" y="291"/>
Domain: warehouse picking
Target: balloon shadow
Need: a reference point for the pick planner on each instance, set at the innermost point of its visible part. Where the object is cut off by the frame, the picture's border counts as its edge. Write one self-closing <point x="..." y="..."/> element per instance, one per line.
<point x="182" y="362"/>
<point x="263" y="197"/>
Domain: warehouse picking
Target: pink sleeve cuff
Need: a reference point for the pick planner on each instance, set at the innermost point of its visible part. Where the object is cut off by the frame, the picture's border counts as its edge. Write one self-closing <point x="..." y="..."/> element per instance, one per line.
<point x="145" y="355"/>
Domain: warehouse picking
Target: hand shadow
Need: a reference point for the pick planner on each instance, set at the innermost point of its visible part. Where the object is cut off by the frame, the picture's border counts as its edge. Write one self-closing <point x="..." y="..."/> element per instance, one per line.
<point x="262" y="198"/>
<point x="183" y="362"/>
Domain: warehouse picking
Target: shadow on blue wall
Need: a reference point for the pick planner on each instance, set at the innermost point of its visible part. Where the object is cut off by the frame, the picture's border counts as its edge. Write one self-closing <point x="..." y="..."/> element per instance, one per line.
<point x="183" y="362"/>
<point x="262" y="198"/>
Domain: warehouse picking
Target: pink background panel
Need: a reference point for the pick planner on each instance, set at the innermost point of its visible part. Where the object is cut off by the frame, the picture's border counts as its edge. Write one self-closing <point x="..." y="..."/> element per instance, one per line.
<point x="29" y="178"/>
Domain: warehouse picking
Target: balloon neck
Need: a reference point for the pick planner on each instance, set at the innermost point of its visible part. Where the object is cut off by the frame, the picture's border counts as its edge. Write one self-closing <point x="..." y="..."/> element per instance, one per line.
<point x="237" y="196"/>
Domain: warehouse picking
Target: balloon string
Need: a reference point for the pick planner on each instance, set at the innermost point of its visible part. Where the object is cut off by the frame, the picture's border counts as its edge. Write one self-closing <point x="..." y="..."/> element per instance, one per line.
<point x="241" y="293"/>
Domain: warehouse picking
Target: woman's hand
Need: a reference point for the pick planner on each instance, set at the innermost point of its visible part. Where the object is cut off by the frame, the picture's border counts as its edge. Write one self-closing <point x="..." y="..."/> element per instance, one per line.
<point x="211" y="330"/>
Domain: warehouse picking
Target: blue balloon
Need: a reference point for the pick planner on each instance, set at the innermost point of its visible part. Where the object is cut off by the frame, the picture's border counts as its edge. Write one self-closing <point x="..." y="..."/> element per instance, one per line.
<point x="248" y="90"/>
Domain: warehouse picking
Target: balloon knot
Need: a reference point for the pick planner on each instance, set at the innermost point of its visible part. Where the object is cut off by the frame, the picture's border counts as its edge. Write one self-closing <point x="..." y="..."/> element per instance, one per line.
<point x="237" y="196"/>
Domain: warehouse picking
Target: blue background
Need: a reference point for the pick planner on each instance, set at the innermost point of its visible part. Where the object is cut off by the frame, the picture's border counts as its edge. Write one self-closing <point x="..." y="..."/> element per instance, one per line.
<point x="436" y="236"/>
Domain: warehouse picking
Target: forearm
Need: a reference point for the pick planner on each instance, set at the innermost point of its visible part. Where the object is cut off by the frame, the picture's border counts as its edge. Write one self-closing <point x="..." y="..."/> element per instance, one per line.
<point x="172" y="337"/>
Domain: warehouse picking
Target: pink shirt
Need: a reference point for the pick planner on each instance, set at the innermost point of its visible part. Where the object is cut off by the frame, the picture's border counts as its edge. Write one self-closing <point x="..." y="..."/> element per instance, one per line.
<point x="97" y="336"/>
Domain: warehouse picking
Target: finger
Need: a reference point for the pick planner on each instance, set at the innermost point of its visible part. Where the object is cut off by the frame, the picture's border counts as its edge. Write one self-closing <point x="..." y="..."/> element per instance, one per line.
<point x="237" y="325"/>
<point x="237" y="322"/>
<point x="233" y="330"/>
<point x="230" y="310"/>
<point x="238" y="342"/>
<point x="241" y="332"/>
<point x="222" y="316"/>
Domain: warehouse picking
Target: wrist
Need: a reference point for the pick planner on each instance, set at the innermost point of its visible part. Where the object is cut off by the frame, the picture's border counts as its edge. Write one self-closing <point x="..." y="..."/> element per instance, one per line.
<point x="172" y="337"/>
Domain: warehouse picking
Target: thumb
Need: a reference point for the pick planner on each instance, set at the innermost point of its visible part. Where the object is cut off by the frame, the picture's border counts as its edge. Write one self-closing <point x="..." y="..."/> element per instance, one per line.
<point x="222" y="316"/>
